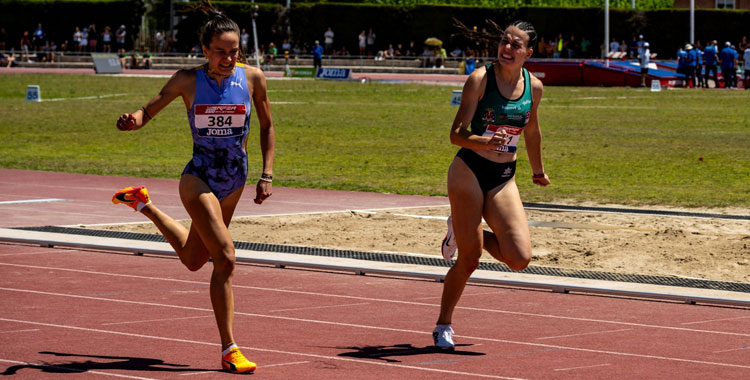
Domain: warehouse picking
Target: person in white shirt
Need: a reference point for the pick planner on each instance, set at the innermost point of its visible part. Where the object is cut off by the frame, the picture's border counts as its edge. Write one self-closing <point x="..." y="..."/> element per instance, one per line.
<point x="328" y="40"/>
<point x="644" y="54"/>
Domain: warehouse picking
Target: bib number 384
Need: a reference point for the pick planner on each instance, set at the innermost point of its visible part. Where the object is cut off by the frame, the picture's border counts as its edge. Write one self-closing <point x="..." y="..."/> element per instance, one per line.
<point x="514" y="134"/>
<point x="219" y="120"/>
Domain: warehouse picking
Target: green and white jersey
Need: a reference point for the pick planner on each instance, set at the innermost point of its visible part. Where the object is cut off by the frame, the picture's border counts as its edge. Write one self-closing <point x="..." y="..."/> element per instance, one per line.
<point x="495" y="112"/>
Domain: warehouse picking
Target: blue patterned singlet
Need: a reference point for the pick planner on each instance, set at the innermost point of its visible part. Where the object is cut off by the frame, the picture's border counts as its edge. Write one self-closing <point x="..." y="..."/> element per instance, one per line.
<point x="220" y="122"/>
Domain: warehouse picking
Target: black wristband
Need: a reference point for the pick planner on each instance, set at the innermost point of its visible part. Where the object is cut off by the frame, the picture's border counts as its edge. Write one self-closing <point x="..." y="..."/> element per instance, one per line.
<point x="146" y="113"/>
<point x="538" y="175"/>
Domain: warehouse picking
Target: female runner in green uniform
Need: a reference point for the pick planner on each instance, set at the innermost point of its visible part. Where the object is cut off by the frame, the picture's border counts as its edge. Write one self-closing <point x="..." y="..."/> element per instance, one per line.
<point x="499" y="102"/>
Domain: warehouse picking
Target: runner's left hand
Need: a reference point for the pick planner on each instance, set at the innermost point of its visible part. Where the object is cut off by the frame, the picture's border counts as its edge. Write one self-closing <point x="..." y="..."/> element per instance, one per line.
<point x="263" y="190"/>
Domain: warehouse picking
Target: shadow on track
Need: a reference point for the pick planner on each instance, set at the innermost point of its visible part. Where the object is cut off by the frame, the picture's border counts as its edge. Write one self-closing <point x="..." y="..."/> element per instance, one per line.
<point x="120" y="363"/>
<point x="386" y="352"/>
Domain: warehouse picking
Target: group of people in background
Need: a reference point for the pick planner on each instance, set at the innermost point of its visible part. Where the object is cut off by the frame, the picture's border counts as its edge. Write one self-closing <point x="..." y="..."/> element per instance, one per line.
<point x="700" y="64"/>
<point x="561" y="47"/>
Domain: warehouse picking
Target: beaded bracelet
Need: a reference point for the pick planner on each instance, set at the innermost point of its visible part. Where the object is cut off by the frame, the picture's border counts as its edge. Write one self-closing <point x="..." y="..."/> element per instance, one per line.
<point x="538" y="175"/>
<point x="266" y="178"/>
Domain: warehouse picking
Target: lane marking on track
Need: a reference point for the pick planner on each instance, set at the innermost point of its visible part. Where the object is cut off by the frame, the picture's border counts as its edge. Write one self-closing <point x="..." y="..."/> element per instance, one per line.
<point x="283" y="364"/>
<point x="320" y="307"/>
<point x="362" y="211"/>
<point x="342" y="324"/>
<point x="370" y="299"/>
<point x="178" y="340"/>
<point x="716" y="320"/>
<point x="18" y="331"/>
<point x="75" y="370"/>
<point x="83" y="97"/>
<point x="582" y="334"/>
<point x="583" y="367"/>
<point x="24" y="201"/>
<point x="156" y="320"/>
<point x="733" y="349"/>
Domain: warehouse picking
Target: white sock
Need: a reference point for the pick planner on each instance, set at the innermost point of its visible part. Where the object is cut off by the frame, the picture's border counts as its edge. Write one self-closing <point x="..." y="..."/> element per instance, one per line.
<point x="141" y="205"/>
<point x="443" y="327"/>
<point x="228" y="349"/>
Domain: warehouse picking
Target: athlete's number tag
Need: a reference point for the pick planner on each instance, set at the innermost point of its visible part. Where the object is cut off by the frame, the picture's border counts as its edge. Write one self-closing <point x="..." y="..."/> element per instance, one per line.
<point x="219" y="120"/>
<point x="514" y="134"/>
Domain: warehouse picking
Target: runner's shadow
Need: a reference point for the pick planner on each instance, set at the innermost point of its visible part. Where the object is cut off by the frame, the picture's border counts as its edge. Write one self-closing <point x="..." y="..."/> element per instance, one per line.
<point x="120" y="363"/>
<point x="385" y="352"/>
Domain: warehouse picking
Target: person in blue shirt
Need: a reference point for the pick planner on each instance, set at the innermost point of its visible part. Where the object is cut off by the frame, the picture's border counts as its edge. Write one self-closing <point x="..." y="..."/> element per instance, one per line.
<point x="728" y="58"/>
<point x="218" y="97"/>
<point x="710" y="56"/>
<point x="682" y="65"/>
<point x="317" y="56"/>
<point x="692" y="62"/>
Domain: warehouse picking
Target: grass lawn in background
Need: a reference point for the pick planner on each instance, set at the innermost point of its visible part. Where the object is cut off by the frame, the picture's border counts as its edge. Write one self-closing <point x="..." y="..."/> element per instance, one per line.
<point x="687" y="148"/>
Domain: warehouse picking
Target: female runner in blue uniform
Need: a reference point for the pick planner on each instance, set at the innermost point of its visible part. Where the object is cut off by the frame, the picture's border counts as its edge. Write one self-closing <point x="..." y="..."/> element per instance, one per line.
<point x="217" y="98"/>
<point x="499" y="102"/>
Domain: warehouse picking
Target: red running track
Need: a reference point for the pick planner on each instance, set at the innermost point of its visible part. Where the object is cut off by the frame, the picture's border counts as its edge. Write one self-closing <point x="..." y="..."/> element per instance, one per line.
<point x="92" y="315"/>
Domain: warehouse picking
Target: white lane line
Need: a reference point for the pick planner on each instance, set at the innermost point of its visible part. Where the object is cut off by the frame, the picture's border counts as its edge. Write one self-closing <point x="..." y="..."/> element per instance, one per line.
<point x="362" y="361"/>
<point x="74" y="370"/>
<point x="23" y="254"/>
<point x="24" y="201"/>
<point x="715" y="320"/>
<point x="283" y="364"/>
<point x="83" y="97"/>
<point x="733" y="349"/>
<point x="369" y="299"/>
<point x="582" y="334"/>
<point x="320" y="307"/>
<point x="155" y="320"/>
<point x="342" y="324"/>
<point x="347" y="211"/>
<point x="18" y="331"/>
<point x="423" y="216"/>
<point x="584" y="367"/>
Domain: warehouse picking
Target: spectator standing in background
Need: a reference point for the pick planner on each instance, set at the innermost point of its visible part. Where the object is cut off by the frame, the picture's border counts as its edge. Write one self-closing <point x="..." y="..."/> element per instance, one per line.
<point x="614" y="46"/>
<point x="244" y="40"/>
<point x="77" y="39"/>
<point x="37" y="38"/>
<point x="746" y="66"/>
<point x="328" y="40"/>
<point x="362" y="43"/>
<point x="25" y="44"/>
<point x="107" y="40"/>
<point x="692" y="62"/>
<point x="585" y="47"/>
<point x="710" y="56"/>
<point x="120" y="37"/>
<point x="85" y="40"/>
<point x="682" y="64"/>
<point x="728" y="58"/>
<point x="317" y="56"/>
<point x="645" y="55"/>
<point x="371" y="37"/>
<point x="93" y="38"/>
<point x="541" y="48"/>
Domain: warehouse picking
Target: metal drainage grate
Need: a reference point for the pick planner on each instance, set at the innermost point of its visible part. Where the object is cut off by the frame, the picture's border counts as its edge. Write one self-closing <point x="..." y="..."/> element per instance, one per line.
<point x="419" y="260"/>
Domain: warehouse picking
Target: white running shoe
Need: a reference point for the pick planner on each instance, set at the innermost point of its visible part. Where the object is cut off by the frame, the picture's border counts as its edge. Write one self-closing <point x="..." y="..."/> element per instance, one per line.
<point x="449" y="246"/>
<point x="442" y="336"/>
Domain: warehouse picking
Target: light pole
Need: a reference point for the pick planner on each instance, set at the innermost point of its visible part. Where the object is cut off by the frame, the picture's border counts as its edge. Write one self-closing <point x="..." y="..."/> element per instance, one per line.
<point x="255" y="34"/>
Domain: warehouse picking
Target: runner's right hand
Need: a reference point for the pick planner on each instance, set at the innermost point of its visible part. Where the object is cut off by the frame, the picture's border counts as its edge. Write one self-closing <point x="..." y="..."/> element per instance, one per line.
<point x="126" y="122"/>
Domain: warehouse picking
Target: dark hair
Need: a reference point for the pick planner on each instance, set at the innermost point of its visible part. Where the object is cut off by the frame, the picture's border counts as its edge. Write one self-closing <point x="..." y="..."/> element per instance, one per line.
<point x="217" y="24"/>
<point x="495" y="33"/>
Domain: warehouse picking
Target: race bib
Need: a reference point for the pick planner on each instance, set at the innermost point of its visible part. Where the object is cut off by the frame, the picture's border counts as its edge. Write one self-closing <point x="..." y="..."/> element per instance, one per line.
<point x="219" y="120"/>
<point x="514" y="134"/>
